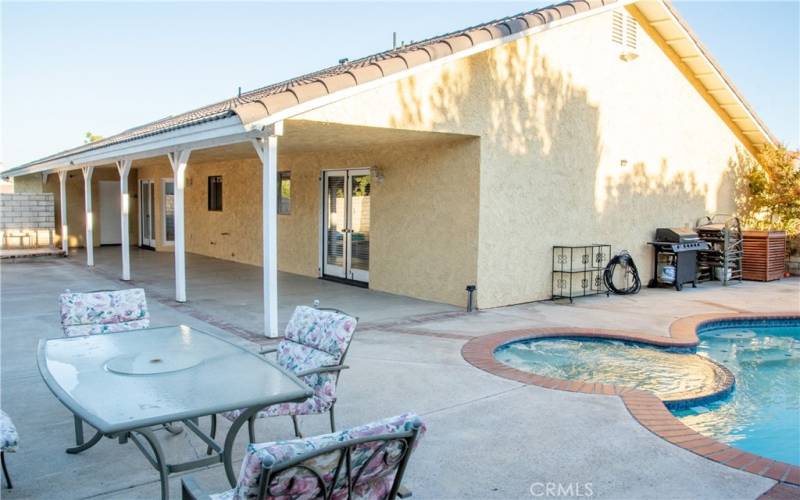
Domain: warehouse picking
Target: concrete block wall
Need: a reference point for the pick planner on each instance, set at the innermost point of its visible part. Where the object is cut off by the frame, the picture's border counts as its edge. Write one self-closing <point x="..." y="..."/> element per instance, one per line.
<point x="26" y="219"/>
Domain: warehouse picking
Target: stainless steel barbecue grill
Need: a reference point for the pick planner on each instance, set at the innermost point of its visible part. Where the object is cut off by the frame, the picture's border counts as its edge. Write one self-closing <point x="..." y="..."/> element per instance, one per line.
<point x="678" y="247"/>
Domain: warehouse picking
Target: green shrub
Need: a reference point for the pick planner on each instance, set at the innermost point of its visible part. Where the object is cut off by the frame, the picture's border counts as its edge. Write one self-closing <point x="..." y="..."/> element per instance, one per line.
<point x="768" y="189"/>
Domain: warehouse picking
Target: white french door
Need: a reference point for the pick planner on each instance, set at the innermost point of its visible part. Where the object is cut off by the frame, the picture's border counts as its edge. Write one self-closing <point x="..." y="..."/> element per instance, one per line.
<point x="345" y="224"/>
<point x="147" y="219"/>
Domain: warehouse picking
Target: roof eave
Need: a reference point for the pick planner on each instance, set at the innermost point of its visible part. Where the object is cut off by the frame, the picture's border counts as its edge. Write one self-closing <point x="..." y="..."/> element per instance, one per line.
<point x="740" y="113"/>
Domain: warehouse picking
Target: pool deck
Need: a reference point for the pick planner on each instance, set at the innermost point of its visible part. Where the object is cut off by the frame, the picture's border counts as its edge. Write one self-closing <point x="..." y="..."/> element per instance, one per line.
<point x="489" y="436"/>
<point x="646" y="408"/>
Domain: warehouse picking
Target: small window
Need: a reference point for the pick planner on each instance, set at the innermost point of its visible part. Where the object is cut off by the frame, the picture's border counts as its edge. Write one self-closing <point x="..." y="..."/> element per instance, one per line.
<point x="215" y="193"/>
<point x="284" y="193"/>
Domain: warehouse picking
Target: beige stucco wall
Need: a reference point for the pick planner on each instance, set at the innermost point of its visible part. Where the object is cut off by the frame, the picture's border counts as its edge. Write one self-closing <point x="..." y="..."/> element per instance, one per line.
<point x="424" y="216"/>
<point x="76" y="209"/>
<point x="577" y="146"/>
<point x="574" y="146"/>
<point x="412" y="251"/>
<point x="31" y="183"/>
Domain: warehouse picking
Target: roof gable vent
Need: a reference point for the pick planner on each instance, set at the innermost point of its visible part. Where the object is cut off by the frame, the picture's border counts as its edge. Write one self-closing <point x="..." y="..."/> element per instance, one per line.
<point x="625" y="32"/>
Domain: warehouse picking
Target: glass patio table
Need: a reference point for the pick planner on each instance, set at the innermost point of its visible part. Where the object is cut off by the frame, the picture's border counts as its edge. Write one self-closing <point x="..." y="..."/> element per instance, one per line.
<point x="123" y="384"/>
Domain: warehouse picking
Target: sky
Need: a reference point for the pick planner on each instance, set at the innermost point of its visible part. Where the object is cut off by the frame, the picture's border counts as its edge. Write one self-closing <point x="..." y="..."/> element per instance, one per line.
<point x="69" y="67"/>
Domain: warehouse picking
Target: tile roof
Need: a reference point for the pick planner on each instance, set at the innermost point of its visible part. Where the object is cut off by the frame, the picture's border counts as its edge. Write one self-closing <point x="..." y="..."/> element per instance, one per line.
<point x="262" y="102"/>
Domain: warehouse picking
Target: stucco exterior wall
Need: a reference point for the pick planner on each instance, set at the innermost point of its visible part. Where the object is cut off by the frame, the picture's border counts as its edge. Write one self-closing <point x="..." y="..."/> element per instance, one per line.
<point x="424" y="216"/>
<point x="423" y="239"/>
<point x="76" y="210"/>
<point x="31" y="183"/>
<point x="574" y="145"/>
<point x="577" y="146"/>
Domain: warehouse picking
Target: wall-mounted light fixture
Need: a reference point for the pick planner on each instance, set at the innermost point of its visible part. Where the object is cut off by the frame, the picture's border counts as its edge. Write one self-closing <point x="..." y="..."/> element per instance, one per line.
<point x="377" y="174"/>
<point x="629" y="56"/>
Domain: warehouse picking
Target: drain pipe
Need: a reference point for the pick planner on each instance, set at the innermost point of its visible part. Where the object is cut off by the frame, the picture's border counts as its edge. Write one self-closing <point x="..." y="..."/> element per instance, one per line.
<point x="471" y="297"/>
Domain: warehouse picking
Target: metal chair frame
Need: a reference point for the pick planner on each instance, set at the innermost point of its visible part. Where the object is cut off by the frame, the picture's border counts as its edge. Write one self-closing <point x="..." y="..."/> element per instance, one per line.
<point x="322" y="369"/>
<point x="271" y="474"/>
<point x="5" y="470"/>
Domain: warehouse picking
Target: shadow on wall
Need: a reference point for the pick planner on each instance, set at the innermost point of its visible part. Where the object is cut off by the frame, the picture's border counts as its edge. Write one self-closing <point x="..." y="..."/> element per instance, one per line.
<point x="542" y="180"/>
<point x="639" y="201"/>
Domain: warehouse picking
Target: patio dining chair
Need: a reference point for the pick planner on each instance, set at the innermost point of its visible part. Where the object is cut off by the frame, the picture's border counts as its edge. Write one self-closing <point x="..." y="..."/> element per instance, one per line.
<point x="103" y="311"/>
<point x="314" y="347"/>
<point x="8" y="443"/>
<point x="98" y="312"/>
<point x="365" y="462"/>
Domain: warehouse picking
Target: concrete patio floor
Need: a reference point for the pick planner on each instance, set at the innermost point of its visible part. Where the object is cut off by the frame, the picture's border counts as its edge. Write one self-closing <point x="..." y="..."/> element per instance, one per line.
<point x="488" y="437"/>
<point x="225" y="290"/>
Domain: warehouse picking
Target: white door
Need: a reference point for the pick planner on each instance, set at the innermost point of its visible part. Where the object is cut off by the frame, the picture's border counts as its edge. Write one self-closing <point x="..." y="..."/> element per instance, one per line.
<point x="147" y="220"/>
<point x="110" y="207"/>
<point x="346" y="224"/>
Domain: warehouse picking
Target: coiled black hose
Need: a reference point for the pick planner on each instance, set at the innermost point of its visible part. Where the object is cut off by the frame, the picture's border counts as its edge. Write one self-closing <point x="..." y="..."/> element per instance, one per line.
<point x="625" y="261"/>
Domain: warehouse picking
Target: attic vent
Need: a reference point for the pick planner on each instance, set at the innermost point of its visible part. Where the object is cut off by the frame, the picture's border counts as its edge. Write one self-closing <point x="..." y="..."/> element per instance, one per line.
<point x="624" y="29"/>
<point x="630" y="32"/>
<point x="617" y="27"/>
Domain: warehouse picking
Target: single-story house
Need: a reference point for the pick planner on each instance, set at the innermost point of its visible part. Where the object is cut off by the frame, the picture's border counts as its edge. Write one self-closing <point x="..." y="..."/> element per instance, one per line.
<point x="458" y="160"/>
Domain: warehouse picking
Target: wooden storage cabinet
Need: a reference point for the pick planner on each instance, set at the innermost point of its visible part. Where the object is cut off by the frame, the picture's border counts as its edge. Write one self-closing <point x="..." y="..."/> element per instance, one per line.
<point x="764" y="255"/>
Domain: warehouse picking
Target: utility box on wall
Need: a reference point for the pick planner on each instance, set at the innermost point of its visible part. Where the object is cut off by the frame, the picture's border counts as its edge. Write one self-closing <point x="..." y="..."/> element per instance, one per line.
<point x="27" y="220"/>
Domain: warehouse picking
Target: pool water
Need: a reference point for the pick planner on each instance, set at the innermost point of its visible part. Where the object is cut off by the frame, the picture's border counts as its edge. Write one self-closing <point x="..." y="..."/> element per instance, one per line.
<point x="666" y="373"/>
<point x="762" y="415"/>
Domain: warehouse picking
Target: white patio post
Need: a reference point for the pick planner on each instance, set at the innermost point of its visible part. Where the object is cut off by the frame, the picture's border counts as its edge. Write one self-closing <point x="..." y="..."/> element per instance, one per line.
<point x="267" y="149"/>
<point x="62" y="181"/>
<point x="124" y="168"/>
<point x="87" y="196"/>
<point x="179" y="161"/>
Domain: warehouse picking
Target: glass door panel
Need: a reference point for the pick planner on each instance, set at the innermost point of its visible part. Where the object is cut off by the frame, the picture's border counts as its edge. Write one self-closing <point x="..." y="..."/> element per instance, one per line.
<point x="335" y="224"/>
<point x="346" y="214"/>
<point x="359" y="225"/>
<point x="146" y="210"/>
<point x="169" y="211"/>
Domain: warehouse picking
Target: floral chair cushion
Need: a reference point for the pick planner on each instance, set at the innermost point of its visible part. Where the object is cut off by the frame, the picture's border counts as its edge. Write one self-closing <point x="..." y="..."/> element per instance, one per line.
<point x="103" y="312"/>
<point x="313" y="338"/>
<point x="327" y="331"/>
<point x="8" y="433"/>
<point x="375" y="479"/>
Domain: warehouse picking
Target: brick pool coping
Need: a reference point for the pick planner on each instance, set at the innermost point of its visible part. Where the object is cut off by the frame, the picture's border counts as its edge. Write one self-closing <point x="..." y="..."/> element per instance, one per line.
<point x="644" y="406"/>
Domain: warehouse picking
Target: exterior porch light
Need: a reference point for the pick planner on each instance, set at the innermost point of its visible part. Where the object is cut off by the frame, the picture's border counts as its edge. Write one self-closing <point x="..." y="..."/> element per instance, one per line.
<point x="124" y="168"/>
<point x="87" y="197"/>
<point x="62" y="181"/>
<point x="267" y="149"/>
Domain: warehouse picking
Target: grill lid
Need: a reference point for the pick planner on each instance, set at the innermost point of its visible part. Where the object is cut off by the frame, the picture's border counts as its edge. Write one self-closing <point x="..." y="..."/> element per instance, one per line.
<point x="676" y="235"/>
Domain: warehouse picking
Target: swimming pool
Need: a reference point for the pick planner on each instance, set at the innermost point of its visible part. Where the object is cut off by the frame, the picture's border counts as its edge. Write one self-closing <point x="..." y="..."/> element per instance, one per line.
<point x="762" y="415"/>
<point x="671" y="374"/>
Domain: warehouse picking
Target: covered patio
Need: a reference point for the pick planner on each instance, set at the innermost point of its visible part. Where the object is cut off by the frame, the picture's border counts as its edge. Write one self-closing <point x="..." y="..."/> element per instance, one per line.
<point x="356" y="206"/>
<point x="228" y="294"/>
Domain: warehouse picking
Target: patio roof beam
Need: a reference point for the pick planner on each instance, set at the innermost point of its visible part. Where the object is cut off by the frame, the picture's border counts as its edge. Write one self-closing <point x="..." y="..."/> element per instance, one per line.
<point x="62" y="182"/>
<point x="87" y="198"/>
<point x="179" y="160"/>
<point x="124" y="168"/>
<point x="267" y="149"/>
<point x="212" y="134"/>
